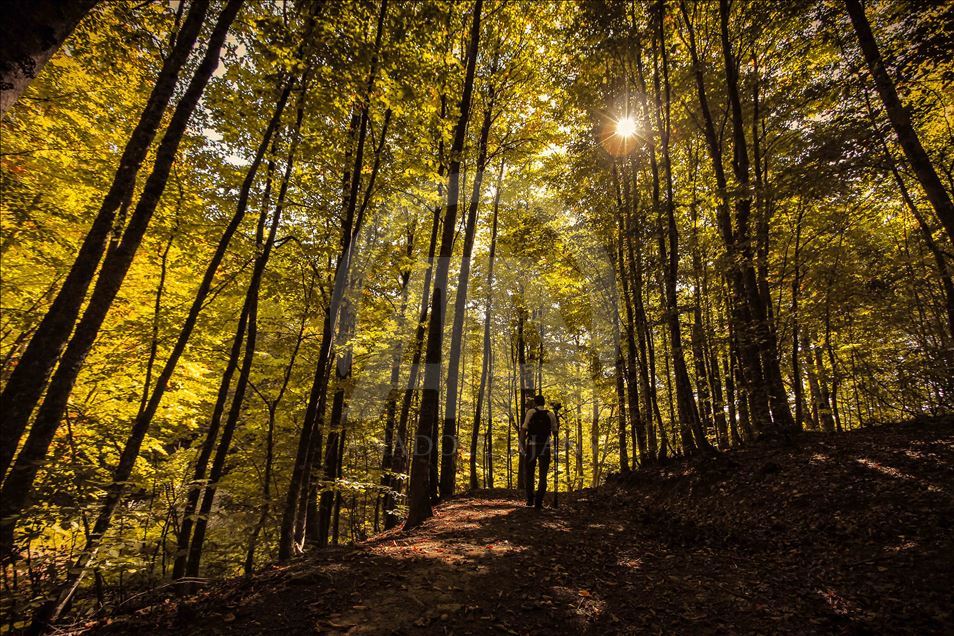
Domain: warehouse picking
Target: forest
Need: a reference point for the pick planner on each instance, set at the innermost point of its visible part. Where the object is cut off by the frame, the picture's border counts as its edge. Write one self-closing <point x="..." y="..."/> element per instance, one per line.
<point x="281" y="279"/>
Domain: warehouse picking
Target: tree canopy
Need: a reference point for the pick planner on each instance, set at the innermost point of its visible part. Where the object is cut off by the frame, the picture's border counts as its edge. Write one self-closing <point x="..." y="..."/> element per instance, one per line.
<point x="280" y="275"/>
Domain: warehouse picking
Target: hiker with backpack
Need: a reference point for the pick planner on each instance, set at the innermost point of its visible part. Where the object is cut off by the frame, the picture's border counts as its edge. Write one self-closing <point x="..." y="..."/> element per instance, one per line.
<point x="539" y="426"/>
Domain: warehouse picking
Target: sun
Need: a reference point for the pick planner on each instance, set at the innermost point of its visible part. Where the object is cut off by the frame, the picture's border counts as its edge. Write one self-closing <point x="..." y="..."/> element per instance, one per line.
<point x="625" y="127"/>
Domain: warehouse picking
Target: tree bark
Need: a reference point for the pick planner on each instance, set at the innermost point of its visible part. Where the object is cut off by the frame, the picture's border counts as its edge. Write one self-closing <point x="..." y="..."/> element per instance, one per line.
<point x="31" y="31"/>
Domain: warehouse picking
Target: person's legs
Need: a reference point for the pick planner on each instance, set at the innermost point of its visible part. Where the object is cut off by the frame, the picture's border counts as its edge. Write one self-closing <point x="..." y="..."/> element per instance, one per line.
<point x="542" y="488"/>
<point x="531" y="465"/>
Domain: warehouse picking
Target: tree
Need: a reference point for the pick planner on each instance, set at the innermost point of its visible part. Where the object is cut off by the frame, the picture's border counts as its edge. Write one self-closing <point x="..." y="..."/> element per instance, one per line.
<point x="418" y="499"/>
<point x="25" y="385"/>
<point x="914" y="152"/>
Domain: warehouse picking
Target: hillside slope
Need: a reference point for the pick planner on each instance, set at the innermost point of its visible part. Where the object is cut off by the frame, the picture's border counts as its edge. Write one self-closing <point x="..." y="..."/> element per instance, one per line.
<point x="847" y="534"/>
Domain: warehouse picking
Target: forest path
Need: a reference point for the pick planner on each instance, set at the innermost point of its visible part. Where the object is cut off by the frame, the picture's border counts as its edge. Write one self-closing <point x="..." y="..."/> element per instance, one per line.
<point x="845" y="534"/>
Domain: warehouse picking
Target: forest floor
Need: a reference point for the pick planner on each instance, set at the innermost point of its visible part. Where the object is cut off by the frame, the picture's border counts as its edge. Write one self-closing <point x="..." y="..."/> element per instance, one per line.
<point x="848" y="533"/>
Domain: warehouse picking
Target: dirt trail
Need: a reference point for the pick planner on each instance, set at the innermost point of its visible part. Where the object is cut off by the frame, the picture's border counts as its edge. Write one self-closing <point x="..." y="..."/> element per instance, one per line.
<point x="844" y="534"/>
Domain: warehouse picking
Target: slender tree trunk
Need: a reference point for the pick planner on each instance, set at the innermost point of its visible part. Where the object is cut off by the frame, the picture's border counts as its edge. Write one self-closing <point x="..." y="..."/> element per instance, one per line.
<point x="238" y="396"/>
<point x="344" y="348"/>
<point x="486" y="363"/>
<point x="797" y="386"/>
<point x="311" y="433"/>
<point x="818" y="380"/>
<point x="489" y="475"/>
<point x="421" y="331"/>
<point x="596" y="373"/>
<point x="272" y="407"/>
<point x="26" y="383"/>
<point x="389" y="467"/>
<point x="625" y="205"/>
<point x="764" y="335"/>
<point x="339" y="407"/>
<point x="628" y="275"/>
<point x="647" y="386"/>
<point x="419" y="504"/>
<point x="225" y="384"/>
<point x="753" y="384"/>
<point x="669" y="255"/>
<point x="697" y="336"/>
<point x="526" y="388"/>
<point x="241" y="386"/>
<point x="402" y="443"/>
<point x="449" y="438"/>
<point x="18" y="485"/>
<point x="619" y="371"/>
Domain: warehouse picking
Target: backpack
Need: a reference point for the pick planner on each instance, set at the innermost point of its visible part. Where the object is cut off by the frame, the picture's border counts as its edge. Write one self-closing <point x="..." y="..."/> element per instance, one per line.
<point x="539" y="428"/>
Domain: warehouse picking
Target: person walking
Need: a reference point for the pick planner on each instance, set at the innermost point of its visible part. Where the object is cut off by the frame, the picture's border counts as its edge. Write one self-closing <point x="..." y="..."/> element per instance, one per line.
<point x="538" y="428"/>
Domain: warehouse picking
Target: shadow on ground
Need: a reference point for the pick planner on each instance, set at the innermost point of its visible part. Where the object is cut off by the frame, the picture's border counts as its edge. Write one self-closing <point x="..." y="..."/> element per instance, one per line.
<point x="829" y="534"/>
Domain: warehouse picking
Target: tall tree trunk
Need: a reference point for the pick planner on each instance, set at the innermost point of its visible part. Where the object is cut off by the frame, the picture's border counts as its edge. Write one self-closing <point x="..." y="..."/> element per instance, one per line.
<point x="619" y="371"/>
<point x="489" y="475"/>
<point x="669" y="255"/>
<point x="421" y="331"/>
<point x="339" y="407"/>
<point x="626" y="204"/>
<point x="389" y="467"/>
<point x="797" y="386"/>
<point x="272" y="406"/>
<point x="900" y="120"/>
<point x="485" y="367"/>
<point x="449" y="438"/>
<point x="26" y="383"/>
<point x="308" y="440"/>
<point x="344" y="347"/>
<point x="753" y="387"/>
<point x="241" y="385"/>
<point x="697" y="336"/>
<point x="596" y="373"/>
<point x="628" y="275"/>
<point x="764" y="335"/>
<point x="247" y="333"/>
<point x="818" y="379"/>
<point x="402" y="443"/>
<point x="105" y="291"/>
<point x="647" y="379"/>
<point x="419" y="504"/>
<point x="18" y="485"/>
<point x="526" y="387"/>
